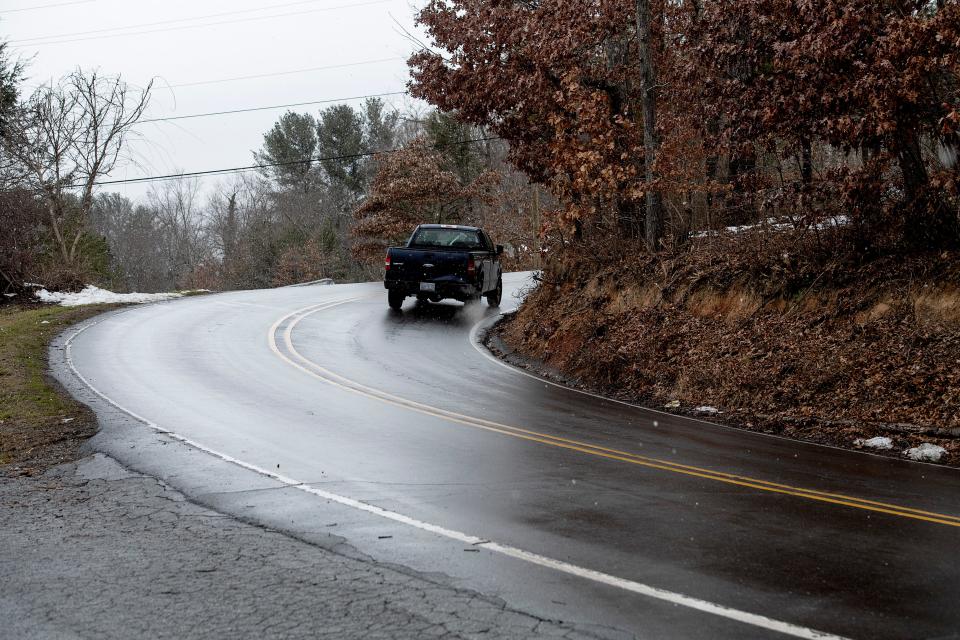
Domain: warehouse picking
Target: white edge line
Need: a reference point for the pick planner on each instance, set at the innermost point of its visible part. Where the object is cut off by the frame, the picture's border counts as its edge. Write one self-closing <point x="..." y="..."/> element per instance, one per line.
<point x="679" y="599"/>
<point x="527" y="556"/>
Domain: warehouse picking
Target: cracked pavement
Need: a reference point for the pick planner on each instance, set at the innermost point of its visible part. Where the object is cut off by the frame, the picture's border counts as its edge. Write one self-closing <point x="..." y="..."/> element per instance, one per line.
<point x="92" y="550"/>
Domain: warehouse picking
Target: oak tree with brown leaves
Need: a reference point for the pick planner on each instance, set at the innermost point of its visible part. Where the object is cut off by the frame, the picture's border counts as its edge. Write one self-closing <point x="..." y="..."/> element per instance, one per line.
<point x="557" y="79"/>
<point x="875" y="78"/>
<point x="412" y="186"/>
<point x="783" y="107"/>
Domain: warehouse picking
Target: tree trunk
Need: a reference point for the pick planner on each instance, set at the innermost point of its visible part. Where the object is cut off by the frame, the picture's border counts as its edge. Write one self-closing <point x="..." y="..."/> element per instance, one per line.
<point x="806" y="162"/>
<point x="626" y="211"/>
<point x="651" y="142"/>
<point x="867" y="153"/>
<point x="739" y="202"/>
<point x="931" y="223"/>
<point x="711" y="131"/>
<point x="58" y="236"/>
<point x="914" y="172"/>
<point x="536" y="226"/>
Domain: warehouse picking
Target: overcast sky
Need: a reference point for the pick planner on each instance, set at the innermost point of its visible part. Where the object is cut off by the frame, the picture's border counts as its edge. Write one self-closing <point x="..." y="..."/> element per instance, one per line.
<point x="179" y="42"/>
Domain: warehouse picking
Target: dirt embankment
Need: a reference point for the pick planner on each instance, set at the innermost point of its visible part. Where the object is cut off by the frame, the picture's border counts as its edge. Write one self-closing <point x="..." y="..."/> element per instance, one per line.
<point x="826" y="354"/>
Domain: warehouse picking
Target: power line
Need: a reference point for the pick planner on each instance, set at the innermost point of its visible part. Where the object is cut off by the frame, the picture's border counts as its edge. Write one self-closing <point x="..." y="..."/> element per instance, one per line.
<point x="46" y="6"/>
<point x="271" y="74"/>
<point x="200" y="26"/>
<point x="158" y="23"/>
<point x="285" y="73"/>
<point x="276" y="106"/>
<point x="266" y="165"/>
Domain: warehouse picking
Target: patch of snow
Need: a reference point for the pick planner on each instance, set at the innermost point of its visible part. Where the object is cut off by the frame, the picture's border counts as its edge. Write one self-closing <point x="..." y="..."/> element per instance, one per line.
<point x="706" y="409"/>
<point x="874" y="443"/>
<point x="673" y="404"/>
<point x="321" y="281"/>
<point x="96" y="295"/>
<point x="836" y="221"/>
<point x="772" y="224"/>
<point x="947" y="154"/>
<point x="10" y="295"/>
<point x="44" y="322"/>
<point x="926" y="452"/>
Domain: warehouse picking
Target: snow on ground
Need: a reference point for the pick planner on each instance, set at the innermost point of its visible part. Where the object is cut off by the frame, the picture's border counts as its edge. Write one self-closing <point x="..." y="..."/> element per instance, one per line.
<point x="96" y="295"/>
<point x="707" y="409"/>
<point x="926" y="452"/>
<point x="773" y="224"/>
<point x="874" y="443"/>
<point x="323" y="281"/>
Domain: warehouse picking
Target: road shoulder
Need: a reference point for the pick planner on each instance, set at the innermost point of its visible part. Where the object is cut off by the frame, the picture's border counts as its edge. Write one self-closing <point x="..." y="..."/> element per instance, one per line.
<point x="41" y="425"/>
<point x="91" y="549"/>
<point x="103" y="546"/>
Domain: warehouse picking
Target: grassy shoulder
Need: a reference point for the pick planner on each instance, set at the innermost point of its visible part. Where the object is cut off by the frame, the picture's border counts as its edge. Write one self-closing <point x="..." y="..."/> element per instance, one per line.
<point x="835" y="357"/>
<point x="40" y="424"/>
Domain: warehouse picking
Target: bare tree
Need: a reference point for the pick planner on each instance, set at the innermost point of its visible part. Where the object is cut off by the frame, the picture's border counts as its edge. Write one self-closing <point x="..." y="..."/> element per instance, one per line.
<point x="239" y="227"/>
<point x="68" y="136"/>
<point x="137" y="242"/>
<point x="182" y="221"/>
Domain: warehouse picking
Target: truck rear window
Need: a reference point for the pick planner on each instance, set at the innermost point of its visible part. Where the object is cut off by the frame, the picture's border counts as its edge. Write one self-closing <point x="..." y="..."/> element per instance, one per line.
<point x="447" y="239"/>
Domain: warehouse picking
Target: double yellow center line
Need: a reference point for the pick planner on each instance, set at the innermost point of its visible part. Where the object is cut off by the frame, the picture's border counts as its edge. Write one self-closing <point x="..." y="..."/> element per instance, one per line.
<point x="284" y="328"/>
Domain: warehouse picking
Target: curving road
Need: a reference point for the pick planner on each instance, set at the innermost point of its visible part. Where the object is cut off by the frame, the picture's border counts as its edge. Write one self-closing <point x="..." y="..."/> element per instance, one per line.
<point x="394" y="437"/>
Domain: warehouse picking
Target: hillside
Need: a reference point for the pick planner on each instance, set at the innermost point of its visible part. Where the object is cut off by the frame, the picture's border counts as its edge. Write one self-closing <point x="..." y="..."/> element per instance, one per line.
<point x="820" y="350"/>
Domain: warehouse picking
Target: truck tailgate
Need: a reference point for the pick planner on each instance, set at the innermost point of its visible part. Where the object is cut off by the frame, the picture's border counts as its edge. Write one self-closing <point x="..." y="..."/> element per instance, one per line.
<point x="426" y="265"/>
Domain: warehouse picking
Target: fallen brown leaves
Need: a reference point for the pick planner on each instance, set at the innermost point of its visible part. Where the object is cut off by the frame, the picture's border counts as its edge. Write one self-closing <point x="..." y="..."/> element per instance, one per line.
<point x="780" y="344"/>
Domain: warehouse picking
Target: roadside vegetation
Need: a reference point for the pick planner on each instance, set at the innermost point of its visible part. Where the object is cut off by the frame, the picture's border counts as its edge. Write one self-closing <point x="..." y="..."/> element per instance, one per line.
<point x="757" y="201"/>
<point x="330" y="191"/>
<point x="740" y="204"/>
<point x="40" y="424"/>
<point x="870" y="352"/>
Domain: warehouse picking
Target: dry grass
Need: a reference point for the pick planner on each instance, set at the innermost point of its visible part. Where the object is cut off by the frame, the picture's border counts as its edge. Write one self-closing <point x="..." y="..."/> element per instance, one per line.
<point x="40" y="425"/>
<point x="937" y="305"/>
<point x="732" y="305"/>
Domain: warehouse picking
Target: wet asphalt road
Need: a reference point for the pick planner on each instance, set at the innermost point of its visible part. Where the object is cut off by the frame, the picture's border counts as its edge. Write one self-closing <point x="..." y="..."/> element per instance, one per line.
<point x="328" y="387"/>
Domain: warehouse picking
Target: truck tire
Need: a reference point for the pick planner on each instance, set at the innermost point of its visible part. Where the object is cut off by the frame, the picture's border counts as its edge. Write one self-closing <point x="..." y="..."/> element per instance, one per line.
<point x="493" y="298"/>
<point x="395" y="299"/>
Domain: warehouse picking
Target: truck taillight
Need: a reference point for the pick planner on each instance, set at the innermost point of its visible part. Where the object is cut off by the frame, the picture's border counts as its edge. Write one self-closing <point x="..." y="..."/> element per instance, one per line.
<point x="386" y="263"/>
<point x="471" y="266"/>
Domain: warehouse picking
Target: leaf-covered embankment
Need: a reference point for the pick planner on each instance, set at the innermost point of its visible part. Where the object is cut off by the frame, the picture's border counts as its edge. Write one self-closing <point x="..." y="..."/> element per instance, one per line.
<point x="817" y="351"/>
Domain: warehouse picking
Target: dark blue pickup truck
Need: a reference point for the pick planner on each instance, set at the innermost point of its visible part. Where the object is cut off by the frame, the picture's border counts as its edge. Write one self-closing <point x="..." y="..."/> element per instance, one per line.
<point x="444" y="261"/>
